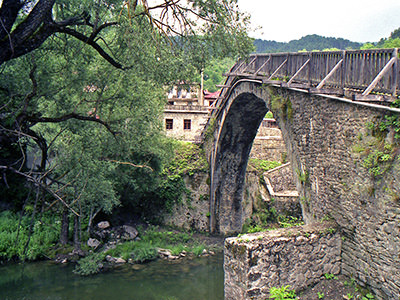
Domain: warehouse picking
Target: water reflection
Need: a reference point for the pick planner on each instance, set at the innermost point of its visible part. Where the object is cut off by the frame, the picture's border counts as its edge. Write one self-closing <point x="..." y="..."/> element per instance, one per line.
<point x="196" y="279"/>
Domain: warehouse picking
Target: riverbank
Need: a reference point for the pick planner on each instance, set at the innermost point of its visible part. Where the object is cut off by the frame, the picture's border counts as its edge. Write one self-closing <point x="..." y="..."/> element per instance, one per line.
<point x="126" y="244"/>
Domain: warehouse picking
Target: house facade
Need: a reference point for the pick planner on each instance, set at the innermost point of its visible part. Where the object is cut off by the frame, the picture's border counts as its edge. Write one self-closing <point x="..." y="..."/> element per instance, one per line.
<point x="185" y="113"/>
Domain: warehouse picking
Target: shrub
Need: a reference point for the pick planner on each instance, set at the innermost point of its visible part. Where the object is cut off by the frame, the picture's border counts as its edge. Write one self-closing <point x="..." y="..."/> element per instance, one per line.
<point x="89" y="265"/>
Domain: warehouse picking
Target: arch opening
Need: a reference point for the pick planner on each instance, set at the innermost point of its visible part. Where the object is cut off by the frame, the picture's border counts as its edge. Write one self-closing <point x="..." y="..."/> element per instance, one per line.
<point x="233" y="148"/>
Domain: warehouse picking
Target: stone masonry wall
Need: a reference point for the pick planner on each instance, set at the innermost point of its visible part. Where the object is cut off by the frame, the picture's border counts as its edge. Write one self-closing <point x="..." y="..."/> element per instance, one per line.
<point x="344" y="168"/>
<point x="331" y="143"/>
<point x="297" y="256"/>
<point x="281" y="178"/>
<point x="268" y="145"/>
<point x="193" y="213"/>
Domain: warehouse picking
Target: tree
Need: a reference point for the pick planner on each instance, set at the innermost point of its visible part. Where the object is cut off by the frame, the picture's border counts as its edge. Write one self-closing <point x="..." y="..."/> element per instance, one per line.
<point x="82" y="89"/>
<point x="27" y="24"/>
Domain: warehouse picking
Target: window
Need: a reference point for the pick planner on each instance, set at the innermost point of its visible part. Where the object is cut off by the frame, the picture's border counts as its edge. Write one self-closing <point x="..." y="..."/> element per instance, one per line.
<point x="169" y="124"/>
<point x="187" y="124"/>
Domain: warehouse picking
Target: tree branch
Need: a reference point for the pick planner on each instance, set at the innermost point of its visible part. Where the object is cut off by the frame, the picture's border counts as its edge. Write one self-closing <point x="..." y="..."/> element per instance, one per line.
<point x="35" y="119"/>
<point x="8" y="15"/>
<point x="129" y="163"/>
<point x="91" y="42"/>
<point x="42" y="185"/>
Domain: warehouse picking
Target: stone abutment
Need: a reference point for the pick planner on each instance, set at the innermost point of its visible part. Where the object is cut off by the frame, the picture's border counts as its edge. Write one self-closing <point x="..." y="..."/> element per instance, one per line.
<point x="346" y="168"/>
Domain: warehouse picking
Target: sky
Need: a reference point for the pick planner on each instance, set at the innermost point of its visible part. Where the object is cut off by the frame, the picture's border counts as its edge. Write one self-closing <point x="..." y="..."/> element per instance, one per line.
<point x="356" y="20"/>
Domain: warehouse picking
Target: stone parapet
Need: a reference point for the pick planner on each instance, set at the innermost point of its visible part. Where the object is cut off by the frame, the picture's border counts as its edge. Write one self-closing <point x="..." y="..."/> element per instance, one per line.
<point x="297" y="256"/>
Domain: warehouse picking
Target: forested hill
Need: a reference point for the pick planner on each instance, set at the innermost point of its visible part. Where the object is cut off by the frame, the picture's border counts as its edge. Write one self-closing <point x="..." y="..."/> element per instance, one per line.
<point x="309" y="43"/>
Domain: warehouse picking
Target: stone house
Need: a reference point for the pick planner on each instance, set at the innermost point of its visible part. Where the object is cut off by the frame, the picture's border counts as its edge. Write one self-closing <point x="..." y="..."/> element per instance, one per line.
<point x="185" y="113"/>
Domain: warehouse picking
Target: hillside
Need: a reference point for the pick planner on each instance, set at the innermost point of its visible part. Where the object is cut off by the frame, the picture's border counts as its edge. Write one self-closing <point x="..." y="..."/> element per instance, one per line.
<point x="309" y="42"/>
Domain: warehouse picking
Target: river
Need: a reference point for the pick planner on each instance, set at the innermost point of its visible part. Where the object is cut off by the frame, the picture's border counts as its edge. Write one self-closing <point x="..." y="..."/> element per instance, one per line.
<point x="188" y="279"/>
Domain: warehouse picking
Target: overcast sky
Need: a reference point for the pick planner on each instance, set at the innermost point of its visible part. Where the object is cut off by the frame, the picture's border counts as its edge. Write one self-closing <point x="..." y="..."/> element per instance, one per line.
<point x="356" y="20"/>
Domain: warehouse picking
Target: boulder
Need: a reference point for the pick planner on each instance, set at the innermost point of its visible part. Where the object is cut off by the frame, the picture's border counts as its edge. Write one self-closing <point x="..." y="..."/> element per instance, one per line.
<point x="120" y="260"/>
<point x="103" y="225"/>
<point x="93" y="243"/>
<point x="129" y="232"/>
<point x="110" y="259"/>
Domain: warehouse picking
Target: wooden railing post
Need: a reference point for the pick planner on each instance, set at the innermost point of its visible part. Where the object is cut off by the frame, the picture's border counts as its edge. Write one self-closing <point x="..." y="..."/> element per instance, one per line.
<point x="344" y="69"/>
<point x="310" y="69"/>
<point x="395" y="72"/>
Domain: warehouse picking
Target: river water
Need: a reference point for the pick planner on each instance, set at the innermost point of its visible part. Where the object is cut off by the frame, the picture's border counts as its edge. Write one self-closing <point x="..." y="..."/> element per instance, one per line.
<point x="188" y="279"/>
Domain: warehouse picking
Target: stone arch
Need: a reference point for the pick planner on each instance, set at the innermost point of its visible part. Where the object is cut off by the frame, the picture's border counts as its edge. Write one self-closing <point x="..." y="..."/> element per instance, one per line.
<point x="234" y="142"/>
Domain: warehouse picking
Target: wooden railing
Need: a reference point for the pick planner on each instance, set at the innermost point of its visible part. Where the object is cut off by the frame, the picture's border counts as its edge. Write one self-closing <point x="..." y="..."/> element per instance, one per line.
<point x="366" y="71"/>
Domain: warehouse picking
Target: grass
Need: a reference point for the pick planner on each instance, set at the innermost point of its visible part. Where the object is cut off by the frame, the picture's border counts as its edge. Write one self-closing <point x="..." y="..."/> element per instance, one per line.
<point x="146" y="249"/>
<point x="14" y="236"/>
<point x="262" y="166"/>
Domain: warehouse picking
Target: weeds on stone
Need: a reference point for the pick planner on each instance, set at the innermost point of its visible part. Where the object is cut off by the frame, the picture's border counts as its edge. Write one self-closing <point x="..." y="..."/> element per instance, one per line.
<point x="368" y="296"/>
<point x="282" y="293"/>
<point x="320" y="295"/>
<point x="330" y="276"/>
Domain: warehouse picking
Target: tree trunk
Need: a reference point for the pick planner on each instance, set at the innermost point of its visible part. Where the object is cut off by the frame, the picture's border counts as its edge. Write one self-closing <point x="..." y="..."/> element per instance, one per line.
<point x="64" y="227"/>
<point x="77" y="238"/>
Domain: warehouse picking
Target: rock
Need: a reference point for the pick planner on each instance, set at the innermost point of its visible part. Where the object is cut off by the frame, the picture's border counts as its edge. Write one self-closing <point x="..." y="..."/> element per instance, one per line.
<point x="172" y="257"/>
<point x="164" y="253"/>
<point x="93" y="243"/>
<point x="129" y="232"/>
<point x="64" y="261"/>
<point x="110" y="259"/>
<point x="120" y="260"/>
<point x="78" y="252"/>
<point x="109" y="247"/>
<point x="204" y="252"/>
<point x="103" y="225"/>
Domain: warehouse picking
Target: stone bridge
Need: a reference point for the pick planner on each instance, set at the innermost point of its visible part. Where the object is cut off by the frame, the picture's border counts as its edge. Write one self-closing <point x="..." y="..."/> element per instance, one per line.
<point x="337" y="117"/>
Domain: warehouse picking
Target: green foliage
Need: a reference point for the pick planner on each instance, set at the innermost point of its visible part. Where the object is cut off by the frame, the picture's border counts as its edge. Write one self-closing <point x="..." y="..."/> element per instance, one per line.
<point x="210" y="128"/>
<point x="89" y="265"/>
<point x="308" y="43"/>
<point x="263" y="165"/>
<point x="213" y="73"/>
<point x="189" y="158"/>
<point x="282" y="293"/>
<point x="139" y="252"/>
<point x="169" y="188"/>
<point x="100" y="126"/>
<point x="320" y="295"/>
<point x="281" y="106"/>
<point x="269" y="115"/>
<point x="260" y="220"/>
<point x="45" y="235"/>
<point x="330" y="276"/>
<point x="368" y="296"/>
<point x="146" y="249"/>
<point x="375" y="160"/>
<point x="289" y="221"/>
<point x="154" y="235"/>
<point x="304" y="177"/>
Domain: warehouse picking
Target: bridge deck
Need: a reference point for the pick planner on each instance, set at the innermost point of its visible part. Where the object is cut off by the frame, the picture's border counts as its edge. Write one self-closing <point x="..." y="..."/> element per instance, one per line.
<point x="361" y="75"/>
